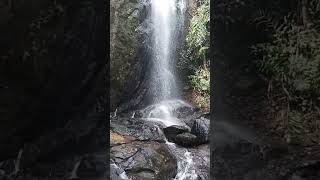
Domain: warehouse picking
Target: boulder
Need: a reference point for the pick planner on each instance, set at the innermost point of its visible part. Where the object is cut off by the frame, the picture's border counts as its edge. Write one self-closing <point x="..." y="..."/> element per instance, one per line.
<point x="183" y="111"/>
<point x="145" y="160"/>
<point x="189" y="120"/>
<point x="137" y="128"/>
<point x="186" y="140"/>
<point x="172" y="131"/>
<point x="92" y="165"/>
<point x="138" y="114"/>
<point x="201" y="128"/>
<point x="117" y="139"/>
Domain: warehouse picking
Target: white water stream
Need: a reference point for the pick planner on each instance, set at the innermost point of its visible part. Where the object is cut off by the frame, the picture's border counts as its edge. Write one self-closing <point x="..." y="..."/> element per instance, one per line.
<point x="167" y="18"/>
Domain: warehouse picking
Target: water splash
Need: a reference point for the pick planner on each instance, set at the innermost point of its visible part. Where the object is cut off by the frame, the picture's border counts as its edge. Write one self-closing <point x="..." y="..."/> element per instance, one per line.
<point x="184" y="167"/>
<point x="119" y="174"/>
<point x="114" y="114"/>
<point x="185" y="162"/>
<point x="165" y="112"/>
<point x="133" y="114"/>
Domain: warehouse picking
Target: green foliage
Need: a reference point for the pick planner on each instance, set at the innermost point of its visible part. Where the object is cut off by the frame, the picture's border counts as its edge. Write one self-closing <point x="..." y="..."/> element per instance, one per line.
<point x="292" y="60"/>
<point x="293" y="57"/>
<point x="315" y="11"/>
<point x="197" y="53"/>
<point x="201" y="80"/>
<point x="198" y="33"/>
<point x="295" y="130"/>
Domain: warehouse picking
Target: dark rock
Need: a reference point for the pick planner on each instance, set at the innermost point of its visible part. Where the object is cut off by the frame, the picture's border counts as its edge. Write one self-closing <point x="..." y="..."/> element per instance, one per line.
<point x="145" y="160"/>
<point x="138" y="114"/>
<point x="4" y="177"/>
<point x="201" y="161"/>
<point x="257" y="174"/>
<point x="117" y="139"/>
<point x="117" y="173"/>
<point x="189" y="120"/>
<point x="86" y="166"/>
<point x="236" y="160"/>
<point x="186" y="140"/>
<point x="92" y="165"/>
<point x="139" y="129"/>
<point x="7" y="166"/>
<point x="201" y="128"/>
<point x="274" y="150"/>
<point x="124" y="17"/>
<point x="183" y="112"/>
<point x="172" y="131"/>
<point x="296" y="177"/>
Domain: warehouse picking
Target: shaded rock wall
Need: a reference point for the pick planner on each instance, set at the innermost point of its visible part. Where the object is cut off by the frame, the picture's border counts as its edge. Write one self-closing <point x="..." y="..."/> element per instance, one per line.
<point x="126" y="21"/>
<point x="52" y="76"/>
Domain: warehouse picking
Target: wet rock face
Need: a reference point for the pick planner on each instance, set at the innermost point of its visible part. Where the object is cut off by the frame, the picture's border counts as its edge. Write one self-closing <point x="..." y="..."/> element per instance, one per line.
<point x="127" y="19"/>
<point x="189" y="119"/>
<point x="186" y="140"/>
<point x="181" y="135"/>
<point x="183" y="112"/>
<point x="201" y="159"/>
<point x="201" y="128"/>
<point x="137" y="129"/>
<point x="117" y="173"/>
<point x="138" y="114"/>
<point x="145" y="160"/>
<point x="172" y="131"/>
<point x="138" y="150"/>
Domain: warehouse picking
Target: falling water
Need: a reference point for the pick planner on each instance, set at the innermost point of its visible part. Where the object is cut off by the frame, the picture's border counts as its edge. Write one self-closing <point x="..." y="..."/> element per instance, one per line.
<point x="166" y="20"/>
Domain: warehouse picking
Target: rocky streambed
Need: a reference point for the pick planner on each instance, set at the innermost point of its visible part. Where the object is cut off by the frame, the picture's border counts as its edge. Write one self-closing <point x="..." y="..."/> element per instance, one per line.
<point x="150" y="148"/>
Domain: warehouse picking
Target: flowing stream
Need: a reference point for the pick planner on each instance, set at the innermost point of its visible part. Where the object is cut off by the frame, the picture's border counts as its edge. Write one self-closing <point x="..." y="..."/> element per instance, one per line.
<point x="163" y="112"/>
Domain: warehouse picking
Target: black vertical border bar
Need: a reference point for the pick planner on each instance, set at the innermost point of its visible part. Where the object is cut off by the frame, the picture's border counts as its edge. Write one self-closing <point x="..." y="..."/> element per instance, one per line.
<point x="211" y="84"/>
<point x="107" y="83"/>
<point x="217" y="28"/>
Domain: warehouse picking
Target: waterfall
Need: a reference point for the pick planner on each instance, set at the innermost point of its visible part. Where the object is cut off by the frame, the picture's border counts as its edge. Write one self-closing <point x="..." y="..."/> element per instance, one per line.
<point x="166" y="18"/>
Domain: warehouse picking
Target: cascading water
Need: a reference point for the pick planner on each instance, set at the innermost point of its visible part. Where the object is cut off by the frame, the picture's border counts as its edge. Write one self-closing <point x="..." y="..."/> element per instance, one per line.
<point x="168" y="20"/>
<point x="165" y="18"/>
